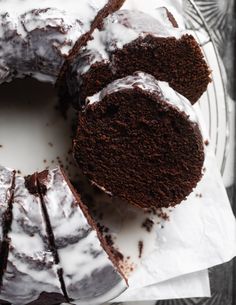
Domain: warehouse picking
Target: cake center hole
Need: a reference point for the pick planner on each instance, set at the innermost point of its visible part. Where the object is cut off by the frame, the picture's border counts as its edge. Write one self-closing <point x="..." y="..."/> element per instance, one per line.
<point x="33" y="133"/>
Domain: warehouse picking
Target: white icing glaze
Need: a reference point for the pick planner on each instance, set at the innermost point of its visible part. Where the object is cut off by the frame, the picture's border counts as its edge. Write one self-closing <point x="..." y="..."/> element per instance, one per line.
<point x="35" y="38"/>
<point x="123" y="27"/>
<point x="148" y="83"/>
<point x="82" y="9"/>
<point x="88" y="273"/>
<point x="6" y="176"/>
<point x="30" y="268"/>
<point x="151" y="7"/>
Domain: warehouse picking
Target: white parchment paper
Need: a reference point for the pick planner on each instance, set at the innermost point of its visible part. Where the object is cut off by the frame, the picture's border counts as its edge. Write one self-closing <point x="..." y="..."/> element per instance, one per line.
<point x="201" y="232"/>
<point x="186" y="286"/>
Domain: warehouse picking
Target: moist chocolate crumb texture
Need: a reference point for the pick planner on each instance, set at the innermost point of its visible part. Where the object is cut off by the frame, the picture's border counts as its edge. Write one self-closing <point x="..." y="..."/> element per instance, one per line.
<point x="84" y="273"/>
<point x="139" y="140"/>
<point x="35" y="39"/>
<point x="131" y="41"/>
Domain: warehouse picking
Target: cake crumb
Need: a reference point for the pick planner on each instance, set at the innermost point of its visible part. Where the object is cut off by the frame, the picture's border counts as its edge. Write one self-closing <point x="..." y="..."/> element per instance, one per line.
<point x="148" y="224"/>
<point x="109" y="240"/>
<point x="140" y="248"/>
<point x="206" y="142"/>
<point x="163" y="215"/>
<point x="44" y="161"/>
<point x="50" y="144"/>
<point x="127" y="267"/>
<point x="18" y="172"/>
<point x="199" y="195"/>
<point x="118" y="255"/>
<point x="104" y="229"/>
<point x="158" y="212"/>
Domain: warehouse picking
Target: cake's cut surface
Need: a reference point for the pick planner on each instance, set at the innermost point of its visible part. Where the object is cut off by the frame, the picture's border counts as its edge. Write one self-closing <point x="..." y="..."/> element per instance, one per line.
<point x="139" y="140"/>
<point x="131" y="41"/>
<point x="88" y="270"/>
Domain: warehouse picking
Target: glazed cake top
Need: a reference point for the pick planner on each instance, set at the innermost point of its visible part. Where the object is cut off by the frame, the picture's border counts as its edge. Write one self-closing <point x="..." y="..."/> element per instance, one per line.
<point x="83" y="11"/>
<point x="35" y="38"/>
<point x="72" y="17"/>
<point x="29" y="258"/>
<point x="147" y="82"/>
<point x="123" y="27"/>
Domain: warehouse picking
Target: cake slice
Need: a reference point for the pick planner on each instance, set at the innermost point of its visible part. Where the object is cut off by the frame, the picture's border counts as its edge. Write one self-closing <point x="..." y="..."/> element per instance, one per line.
<point x="90" y="270"/>
<point x="131" y="41"/>
<point x="139" y="140"/>
<point x="30" y="275"/>
<point x="52" y="250"/>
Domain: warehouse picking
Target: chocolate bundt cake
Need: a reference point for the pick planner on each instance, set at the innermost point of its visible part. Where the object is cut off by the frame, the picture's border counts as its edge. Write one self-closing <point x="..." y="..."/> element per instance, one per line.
<point x="139" y="140"/>
<point x="54" y="251"/>
<point x="35" y="39"/>
<point x="131" y="41"/>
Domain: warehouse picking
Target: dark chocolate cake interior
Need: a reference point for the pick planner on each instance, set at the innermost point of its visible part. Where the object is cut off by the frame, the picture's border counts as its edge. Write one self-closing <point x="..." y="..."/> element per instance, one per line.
<point x="177" y="61"/>
<point x="139" y="148"/>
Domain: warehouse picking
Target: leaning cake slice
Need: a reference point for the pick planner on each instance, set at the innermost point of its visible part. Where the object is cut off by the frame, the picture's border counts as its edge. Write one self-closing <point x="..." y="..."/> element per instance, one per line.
<point x="139" y="140"/>
<point x="131" y="41"/>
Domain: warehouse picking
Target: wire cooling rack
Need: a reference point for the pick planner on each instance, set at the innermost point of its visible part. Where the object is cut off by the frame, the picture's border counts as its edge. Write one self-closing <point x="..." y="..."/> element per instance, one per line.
<point x="214" y="103"/>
